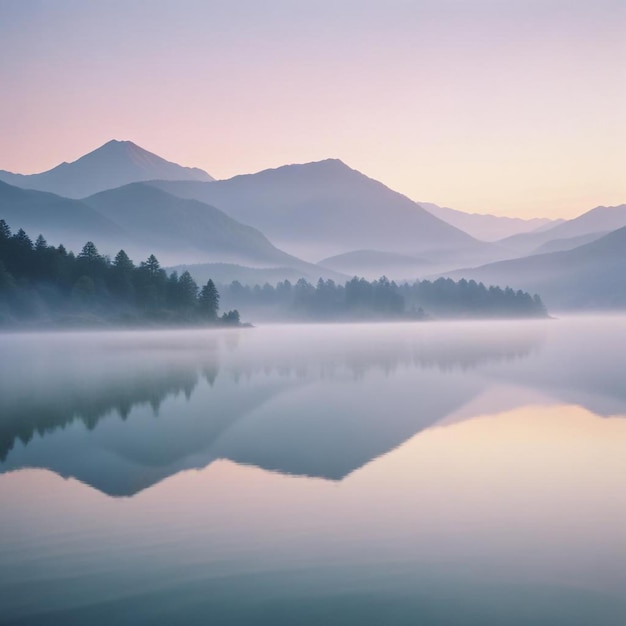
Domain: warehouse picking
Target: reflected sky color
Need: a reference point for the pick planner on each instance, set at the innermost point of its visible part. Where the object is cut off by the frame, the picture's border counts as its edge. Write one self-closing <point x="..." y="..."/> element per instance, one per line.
<point x="353" y="472"/>
<point x="507" y="107"/>
<point x="525" y="498"/>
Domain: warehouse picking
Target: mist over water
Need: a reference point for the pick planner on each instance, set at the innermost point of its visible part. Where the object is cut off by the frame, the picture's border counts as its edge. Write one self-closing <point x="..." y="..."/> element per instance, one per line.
<point x="436" y="473"/>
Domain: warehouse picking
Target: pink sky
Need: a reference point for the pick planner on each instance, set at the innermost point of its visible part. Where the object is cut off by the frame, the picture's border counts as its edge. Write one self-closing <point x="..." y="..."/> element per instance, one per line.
<point x="515" y="107"/>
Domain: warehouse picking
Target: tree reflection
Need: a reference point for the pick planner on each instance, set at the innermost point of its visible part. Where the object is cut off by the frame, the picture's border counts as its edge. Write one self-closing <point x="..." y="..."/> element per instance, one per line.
<point x="273" y="407"/>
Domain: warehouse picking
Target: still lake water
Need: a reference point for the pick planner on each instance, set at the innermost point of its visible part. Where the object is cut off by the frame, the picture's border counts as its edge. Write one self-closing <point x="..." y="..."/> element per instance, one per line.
<point x="434" y="474"/>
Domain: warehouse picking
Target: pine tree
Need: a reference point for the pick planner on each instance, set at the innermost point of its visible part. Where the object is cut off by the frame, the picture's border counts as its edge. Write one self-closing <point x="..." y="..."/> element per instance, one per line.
<point x="120" y="280"/>
<point x="188" y="292"/>
<point x="151" y="265"/>
<point x="89" y="251"/>
<point x="5" y="231"/>
<point x="122" y="262"/>
<point x="41" y="244"/>
<point x="209" y="300"/>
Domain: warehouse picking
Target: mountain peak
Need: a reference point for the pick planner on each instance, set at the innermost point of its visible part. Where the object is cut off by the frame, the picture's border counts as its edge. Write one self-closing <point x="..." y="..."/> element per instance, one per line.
<point x="124" y="148"/>
<point x="114" y="143"/>
<point x="331" y="161"/>
<point x="316" y="169"/>
<point x="117" y="144"/>
<point x="330" y="164"/>
<point x="113" y="164"/>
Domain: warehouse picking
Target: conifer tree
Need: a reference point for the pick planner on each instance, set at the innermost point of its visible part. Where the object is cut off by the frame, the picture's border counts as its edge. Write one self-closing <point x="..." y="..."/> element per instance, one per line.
<point x="209" y="300"/>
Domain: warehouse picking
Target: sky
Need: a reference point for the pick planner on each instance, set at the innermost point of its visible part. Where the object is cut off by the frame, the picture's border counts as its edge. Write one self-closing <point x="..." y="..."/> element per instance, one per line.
<point x="511" y="107"/>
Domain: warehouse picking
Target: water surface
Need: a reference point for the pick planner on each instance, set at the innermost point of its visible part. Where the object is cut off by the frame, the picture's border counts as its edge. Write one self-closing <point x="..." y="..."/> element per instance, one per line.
<point x="434" y="473"/>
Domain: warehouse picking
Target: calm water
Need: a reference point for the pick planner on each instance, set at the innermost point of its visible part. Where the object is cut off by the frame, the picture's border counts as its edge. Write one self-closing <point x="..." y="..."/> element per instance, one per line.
<point x="432" y="474"/>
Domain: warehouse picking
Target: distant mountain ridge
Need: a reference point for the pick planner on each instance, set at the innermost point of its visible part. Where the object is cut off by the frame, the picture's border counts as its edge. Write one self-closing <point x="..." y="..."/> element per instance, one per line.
<point x="590" y="276"/>
<point x="568" y="243"/>
<point x="488" y="227"/>
<point x="600" y="220"/>
<point x="113" y="164"/>
<point x="324" y="208"/>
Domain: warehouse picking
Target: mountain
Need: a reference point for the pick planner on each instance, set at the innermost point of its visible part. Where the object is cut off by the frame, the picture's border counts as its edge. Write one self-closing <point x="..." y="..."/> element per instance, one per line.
<point x="487" y="227"/>
<point x="373" y="264"/>
<point x="326" y="208"/>
<point x="177" y="229"/>
<point x="568" y="243"/>
<point x="60" y="220"/>
<point x="602" y="219"/>
<point x="114" y="164"/>
<point x="591" y="276"/>
<point x="142" y="220"/>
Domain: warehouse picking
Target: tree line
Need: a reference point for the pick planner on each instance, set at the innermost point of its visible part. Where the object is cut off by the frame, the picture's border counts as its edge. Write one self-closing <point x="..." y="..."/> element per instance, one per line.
<point x="43" y="282"/>
<point x="385" y="299"/>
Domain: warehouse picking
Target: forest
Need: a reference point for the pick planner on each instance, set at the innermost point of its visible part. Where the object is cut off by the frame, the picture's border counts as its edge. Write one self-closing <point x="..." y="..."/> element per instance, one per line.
<point x="43" y="284"/>
<point x="383" y="299"/>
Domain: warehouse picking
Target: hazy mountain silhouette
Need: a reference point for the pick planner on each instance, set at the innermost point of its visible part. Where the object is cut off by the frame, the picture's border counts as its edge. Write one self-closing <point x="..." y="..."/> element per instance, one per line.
<point x="599" y="220"/>
<point x="373" y="264"/>
<point x="183" y="229"/>
<point x="61" y="220"/>
<point x="325" y="208"/>
<point x="568" y="243"/>
<point x="143" y="220"/>
<point x="488" y="227"/>
<point x="590" y="276"/>
<point x="114" y="164"/>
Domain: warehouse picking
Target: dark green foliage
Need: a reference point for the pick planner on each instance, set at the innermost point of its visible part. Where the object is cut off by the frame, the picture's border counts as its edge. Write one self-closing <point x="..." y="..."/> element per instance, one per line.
<point x="182" y="293"/>
<point x="150" y="286"/>
<point x="41" y="243"/>
<point x="41" y="283"/>
<point x="5" y="231"/>
<point x="188" y="291"/>
<point x="209" y="300"/>
<point x="84" y="291"/>
<point x="445" y="298"/>
<point x="231" y="318"/>
<point x="120" y="279"/>
<point x="384" y="299"/>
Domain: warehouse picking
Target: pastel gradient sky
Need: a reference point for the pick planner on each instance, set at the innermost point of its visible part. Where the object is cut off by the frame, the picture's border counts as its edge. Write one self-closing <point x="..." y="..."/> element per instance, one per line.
<point x="514" y="107"/>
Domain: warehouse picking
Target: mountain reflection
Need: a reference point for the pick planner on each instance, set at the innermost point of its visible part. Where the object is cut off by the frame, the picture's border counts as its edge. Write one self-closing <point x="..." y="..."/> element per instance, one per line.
<point x="122" y="411"/>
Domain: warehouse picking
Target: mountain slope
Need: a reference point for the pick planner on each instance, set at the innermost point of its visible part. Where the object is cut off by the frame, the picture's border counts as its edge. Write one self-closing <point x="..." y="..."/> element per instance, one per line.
<point x="602" y="219"/>
<point x="487" y="227"/>
<point x="326" y="208"/>
<point x="184" y="230"/>
<point x="114" y="164"/>
<point x="568" y="243"/>
<point x="591" y="276"/>
<point x="60" y="220"/>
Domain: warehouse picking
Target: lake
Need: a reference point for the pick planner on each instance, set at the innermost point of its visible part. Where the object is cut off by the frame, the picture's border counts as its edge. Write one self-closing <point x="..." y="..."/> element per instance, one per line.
<point x="436" y="473"/>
